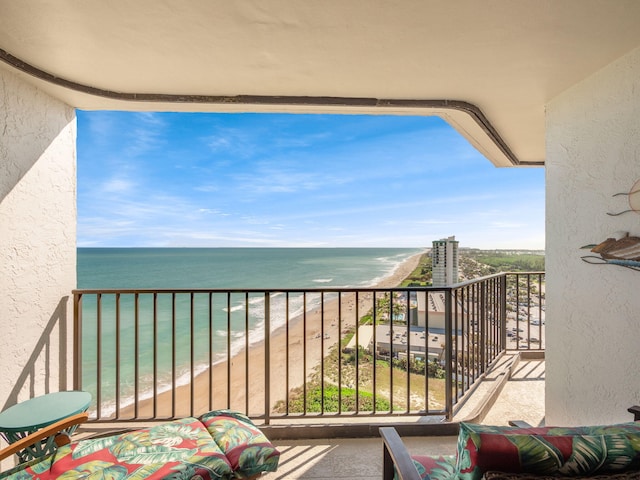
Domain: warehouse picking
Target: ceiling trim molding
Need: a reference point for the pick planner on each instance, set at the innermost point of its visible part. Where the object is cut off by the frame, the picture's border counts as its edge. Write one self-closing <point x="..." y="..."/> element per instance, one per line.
<point x="470" y="109"/>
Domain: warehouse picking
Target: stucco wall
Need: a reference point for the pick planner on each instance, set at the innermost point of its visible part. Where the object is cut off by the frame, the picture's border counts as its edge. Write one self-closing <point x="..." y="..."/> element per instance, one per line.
<point x="593" y="311"/>
<point x="37" y="240"/>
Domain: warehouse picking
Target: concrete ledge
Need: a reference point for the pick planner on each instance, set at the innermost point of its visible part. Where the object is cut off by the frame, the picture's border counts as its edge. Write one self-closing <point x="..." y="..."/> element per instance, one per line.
<point x="490" y="397"/>
<point x="346" y="430"/>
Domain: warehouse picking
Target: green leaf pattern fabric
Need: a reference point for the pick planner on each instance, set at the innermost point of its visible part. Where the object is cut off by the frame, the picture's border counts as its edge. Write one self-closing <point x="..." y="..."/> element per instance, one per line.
<point x="246" y="447"/>
<point x="536" y="453"/>
<point x="570" y="451"/>
<point x="36" y="468"/>
<point x="180" y="450"/>
<point x="436" y="468"/>
<point x="551" y="451"/>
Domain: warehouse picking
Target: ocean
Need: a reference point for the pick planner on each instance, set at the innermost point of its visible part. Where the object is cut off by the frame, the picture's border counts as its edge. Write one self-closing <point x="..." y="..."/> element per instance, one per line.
<point x="229" y="268"/>
<point x="202" y="268"/>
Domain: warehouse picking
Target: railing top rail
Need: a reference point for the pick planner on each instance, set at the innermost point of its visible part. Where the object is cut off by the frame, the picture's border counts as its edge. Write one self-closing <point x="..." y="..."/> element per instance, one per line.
<point x="257" y="290"/>
<point x="300" y="290"/>
<point x="476" y="280"/>
<point x="487" y="277"/>
<point x="541" y="272"/>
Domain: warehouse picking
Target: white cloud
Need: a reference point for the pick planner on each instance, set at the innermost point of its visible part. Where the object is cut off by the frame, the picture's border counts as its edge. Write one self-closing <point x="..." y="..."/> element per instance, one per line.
<point x="118" y="185"/>
<point x="230" y="141"/>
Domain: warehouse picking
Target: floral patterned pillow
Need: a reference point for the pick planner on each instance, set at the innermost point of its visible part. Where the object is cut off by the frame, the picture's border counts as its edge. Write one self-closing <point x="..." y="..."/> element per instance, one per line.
<point x="547" y="450"/>
<point x="248" y="450"/>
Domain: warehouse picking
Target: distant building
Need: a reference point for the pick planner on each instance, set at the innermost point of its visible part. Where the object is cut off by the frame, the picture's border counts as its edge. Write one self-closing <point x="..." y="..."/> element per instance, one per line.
<point x="444" y="257"/>
<point x="429" y="305"/>
<point x="396" y="340"/>
<point x="388" y="339"/>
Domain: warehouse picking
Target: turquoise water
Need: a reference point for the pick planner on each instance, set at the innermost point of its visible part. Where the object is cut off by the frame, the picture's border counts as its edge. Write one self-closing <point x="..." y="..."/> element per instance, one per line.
<point x="203" y="268"/>
<point x="228" y="268"/>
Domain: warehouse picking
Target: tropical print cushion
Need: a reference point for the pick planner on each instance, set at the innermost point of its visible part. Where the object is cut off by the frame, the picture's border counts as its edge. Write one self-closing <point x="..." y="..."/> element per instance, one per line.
<point x="37" y="468"/>
<point x="182" y="449"/>
<point x="571" y="451"/>
<point x="531" y="476"/>
<point x="249" y="452"/>
<point x="435" y="468"/>
<point x="228" y="446"/>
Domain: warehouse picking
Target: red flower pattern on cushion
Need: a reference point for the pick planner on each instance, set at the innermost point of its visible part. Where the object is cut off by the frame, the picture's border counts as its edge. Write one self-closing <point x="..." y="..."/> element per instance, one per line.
<point x="181" y="450"/>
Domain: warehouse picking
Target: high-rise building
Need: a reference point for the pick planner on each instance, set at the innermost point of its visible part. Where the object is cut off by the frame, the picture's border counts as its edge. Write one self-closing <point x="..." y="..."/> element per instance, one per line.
<point x="444" y="258"/>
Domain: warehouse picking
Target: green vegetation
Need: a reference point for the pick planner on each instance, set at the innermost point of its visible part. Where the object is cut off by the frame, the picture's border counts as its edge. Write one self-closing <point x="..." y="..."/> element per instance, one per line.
<point x="421" y="276"/>
<point x="416" y="386"/>
<point x="384" y="310"/>
<point x="434" y="370"/>
<point x="474" y="263"/>
<point x="333" y="398"/>
<point x="345" y="397"/>
<point x="479" y="263"/>
<point x="507" y="260"/>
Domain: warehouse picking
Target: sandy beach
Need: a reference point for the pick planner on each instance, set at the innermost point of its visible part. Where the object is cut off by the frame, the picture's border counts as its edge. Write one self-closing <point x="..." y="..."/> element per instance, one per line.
<point x="247" y="371"/>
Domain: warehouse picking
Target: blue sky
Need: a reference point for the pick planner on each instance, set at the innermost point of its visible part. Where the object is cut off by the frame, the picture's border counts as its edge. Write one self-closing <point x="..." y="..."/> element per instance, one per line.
<point x="286" y="180"/>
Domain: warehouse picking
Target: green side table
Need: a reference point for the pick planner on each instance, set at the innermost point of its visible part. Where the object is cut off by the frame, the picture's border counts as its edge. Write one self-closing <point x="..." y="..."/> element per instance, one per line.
<point x="26" y="417"/>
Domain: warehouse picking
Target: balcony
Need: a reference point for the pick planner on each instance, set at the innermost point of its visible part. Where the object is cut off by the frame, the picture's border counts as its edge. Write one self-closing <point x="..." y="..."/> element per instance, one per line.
<point x="486" y="336"/>
<point x="304" y="363"/>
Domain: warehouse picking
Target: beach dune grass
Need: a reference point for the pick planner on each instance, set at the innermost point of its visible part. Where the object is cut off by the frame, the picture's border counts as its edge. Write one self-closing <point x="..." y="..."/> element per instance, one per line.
<point x="332" y="399"/>
<point x="344" y="400"/>
<point x="422" y="274"/>
<point x="339" y="394"/>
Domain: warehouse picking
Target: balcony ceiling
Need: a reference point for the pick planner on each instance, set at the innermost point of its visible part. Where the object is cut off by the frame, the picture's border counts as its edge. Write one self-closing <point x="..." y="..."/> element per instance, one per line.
<point x="487" y="66"/>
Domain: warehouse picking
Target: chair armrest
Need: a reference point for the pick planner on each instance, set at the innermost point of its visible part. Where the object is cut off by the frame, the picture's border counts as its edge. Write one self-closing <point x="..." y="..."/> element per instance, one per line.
<point x="396" y="454"/>
<point x="57" y="429"/>
<point x="519" y="424"/>
<point x="636" y="412"/>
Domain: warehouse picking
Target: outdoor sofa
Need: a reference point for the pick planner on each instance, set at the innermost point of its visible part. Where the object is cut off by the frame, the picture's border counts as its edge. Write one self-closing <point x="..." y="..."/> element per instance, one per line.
<point x="522" y="452"/>
<point x="222" y="444"/>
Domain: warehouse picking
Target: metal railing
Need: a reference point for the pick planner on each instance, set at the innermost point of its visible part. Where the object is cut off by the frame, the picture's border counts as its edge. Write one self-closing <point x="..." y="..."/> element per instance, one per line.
<point x="278" y="354"/>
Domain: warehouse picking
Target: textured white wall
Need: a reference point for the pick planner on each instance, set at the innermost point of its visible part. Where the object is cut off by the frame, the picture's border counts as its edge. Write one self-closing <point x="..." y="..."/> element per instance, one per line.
<point x="37" y="240"/>
<point x="593" y="311"/>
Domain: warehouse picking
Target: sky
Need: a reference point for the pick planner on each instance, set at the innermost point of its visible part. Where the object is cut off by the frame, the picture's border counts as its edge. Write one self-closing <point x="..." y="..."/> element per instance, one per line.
<point x="293" y="180"/>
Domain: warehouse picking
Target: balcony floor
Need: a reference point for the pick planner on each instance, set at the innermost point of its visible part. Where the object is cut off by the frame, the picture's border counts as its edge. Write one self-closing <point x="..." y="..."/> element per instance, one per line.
<point x="345" y="458"/>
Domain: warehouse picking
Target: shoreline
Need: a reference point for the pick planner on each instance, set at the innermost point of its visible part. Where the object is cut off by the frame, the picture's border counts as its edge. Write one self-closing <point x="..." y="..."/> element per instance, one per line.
<point x="247" y="367"/>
